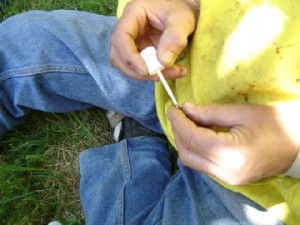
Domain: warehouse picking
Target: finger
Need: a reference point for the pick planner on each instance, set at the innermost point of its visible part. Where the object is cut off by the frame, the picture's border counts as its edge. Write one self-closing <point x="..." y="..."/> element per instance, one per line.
<point x="131" y="72"/>
<point x="174" y="38"/>
<point x="126" y="58"/>
<point x="201" y="141"/>
<point x="124" y="53"/>
<point x="172" y="42"/>
<point x="191" y="152"/>
<point x="204" y="150"/>
<point x="203" y="165"/>
<point x="175" y="71"/>
<point x="196" y="162"/>
<point x="221" y="115"/>
<point x="125" y="67"/>
<point x="190" y="135"/>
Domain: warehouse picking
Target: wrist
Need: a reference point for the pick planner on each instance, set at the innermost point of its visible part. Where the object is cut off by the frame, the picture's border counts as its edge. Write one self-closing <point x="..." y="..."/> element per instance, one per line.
<point x="294" y="170"/>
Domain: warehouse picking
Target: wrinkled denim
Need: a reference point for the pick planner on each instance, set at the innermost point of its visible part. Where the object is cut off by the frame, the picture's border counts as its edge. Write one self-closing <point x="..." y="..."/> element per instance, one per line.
<point x="131" y="182"/>
<point x="58" y="62"/>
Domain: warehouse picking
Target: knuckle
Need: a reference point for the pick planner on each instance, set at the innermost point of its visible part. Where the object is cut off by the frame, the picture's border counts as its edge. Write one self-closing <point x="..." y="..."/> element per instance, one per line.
<point x="179" y="41"/>
<point x="128" y="63"/>
<point x="114" y="62"/>
<point x="130" y="6"/>
<point x="184" y="157"/>
<point x="185" y="153"/>
<point x="236" y="180"/>
<point x="191" y="141"/>
<point x="210" y="112"/>
<point x="112" y="58"/>
<point x="115" y="36"/>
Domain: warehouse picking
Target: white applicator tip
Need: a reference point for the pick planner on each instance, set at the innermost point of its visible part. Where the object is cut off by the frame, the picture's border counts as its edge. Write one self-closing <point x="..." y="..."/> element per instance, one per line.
<point x="154" y="67"/>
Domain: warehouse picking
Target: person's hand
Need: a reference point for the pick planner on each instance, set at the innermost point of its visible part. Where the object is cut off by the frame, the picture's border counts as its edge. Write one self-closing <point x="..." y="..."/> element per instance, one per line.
<point x="164" y="24"/>
<point x="260" y="141"/>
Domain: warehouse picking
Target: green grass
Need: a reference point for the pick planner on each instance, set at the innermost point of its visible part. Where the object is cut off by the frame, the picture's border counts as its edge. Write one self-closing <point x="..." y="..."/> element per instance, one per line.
<point x="39" y="159"/>
<point x="39" y="166"/>
<point x="104" y="7"/>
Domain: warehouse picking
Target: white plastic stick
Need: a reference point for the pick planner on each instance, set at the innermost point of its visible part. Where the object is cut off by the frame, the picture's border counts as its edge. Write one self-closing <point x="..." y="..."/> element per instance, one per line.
<point x="154" y="67"/>
<point x="167" y="87"/>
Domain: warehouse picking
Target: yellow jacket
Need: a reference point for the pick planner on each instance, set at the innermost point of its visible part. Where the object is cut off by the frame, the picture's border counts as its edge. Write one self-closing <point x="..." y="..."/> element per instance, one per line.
<point x="243" y="51"/>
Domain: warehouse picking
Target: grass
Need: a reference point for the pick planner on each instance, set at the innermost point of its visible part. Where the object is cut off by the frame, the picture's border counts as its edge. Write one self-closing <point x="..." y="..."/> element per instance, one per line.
<point x="104" y="7"/>
<point x="39" y="167"/>
<point x="38" y="160"/>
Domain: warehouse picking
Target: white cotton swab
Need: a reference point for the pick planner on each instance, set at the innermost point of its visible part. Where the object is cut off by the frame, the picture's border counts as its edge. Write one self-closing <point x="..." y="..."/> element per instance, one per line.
<point x="154" y="67"/>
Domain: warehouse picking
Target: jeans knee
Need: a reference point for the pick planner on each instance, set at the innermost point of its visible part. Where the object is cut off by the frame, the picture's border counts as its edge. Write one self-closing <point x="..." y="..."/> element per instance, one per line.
<point x="21" y="30"/>
<point x="22" y="21"/>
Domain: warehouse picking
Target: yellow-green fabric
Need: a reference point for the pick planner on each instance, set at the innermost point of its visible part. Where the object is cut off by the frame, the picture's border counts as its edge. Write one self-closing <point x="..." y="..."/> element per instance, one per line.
<point x="243" y="51"/>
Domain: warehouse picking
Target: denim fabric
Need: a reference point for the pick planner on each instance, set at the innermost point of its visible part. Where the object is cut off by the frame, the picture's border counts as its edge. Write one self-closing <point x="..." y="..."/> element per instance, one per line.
<point x="112" y="174"/>
<point x="58" y="62"/>
<point x="131" y="182"/>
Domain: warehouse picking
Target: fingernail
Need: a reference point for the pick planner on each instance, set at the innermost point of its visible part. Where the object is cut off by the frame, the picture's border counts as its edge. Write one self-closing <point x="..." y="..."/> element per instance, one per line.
<point x="188" y="105"/>
<point x="168" y="58"/>
<point x="183" y="72"/>
<point x="140" y="72"/>
<point x="168" y="114"/>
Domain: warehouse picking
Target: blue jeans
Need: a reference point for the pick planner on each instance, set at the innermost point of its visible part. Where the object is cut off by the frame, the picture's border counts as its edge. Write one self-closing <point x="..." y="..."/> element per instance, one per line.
<point x="58" y="62"/>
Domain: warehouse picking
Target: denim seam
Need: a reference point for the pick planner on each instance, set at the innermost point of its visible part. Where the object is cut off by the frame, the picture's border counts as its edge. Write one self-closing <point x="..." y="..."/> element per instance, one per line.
<point x="29" y="71"/>
<point x="164" y="195"/>
<point x="127" y="173"/>
<point x="58" y="68"/>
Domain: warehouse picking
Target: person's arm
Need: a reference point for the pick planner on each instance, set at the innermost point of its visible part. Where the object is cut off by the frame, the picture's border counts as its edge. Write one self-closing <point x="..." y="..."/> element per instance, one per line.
<point x="260" y="141"/>
<point x="160" y="23"/>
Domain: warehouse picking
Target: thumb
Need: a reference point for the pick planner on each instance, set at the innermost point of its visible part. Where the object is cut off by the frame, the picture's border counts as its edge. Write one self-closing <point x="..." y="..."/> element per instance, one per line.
<point x="171" y="44"/>
<point x="221" y="115"/>
<point x="177" y="28"/>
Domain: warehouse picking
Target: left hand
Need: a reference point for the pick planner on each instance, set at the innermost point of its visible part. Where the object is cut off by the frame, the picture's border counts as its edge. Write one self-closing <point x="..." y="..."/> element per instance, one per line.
<point x="260" y="141"/>
<point x="161" y="23"/>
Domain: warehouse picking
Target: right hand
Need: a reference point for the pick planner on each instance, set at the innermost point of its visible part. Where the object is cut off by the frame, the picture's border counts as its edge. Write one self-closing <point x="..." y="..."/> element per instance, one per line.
<point x="260" y="140"/>
<point x="164" y="24"/>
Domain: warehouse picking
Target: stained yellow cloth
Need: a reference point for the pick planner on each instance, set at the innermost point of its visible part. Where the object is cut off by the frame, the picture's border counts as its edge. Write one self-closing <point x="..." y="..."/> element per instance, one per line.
<point x="243" y="51"/>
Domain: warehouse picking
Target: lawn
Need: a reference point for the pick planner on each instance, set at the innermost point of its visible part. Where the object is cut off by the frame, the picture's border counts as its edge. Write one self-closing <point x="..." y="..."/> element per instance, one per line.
<point x="39" y="159"/>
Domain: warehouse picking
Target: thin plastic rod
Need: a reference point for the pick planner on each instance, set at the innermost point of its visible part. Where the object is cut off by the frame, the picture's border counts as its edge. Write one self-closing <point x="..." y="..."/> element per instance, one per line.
<point x="167" y="87"/>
